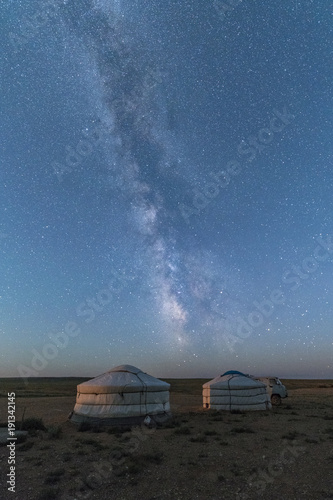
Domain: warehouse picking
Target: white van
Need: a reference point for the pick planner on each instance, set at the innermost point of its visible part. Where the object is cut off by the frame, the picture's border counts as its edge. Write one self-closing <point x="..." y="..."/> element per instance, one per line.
<point x="275" y="389"/>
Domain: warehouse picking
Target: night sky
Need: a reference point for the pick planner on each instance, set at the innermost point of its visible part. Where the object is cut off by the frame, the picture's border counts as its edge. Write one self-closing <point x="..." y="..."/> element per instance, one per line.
<point x="166" y="187"/>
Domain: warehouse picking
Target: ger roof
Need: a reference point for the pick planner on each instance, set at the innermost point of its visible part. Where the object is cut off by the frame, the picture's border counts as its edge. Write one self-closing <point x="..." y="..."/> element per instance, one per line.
<point x="233" y="379"/>
<point x="122" y="378"/>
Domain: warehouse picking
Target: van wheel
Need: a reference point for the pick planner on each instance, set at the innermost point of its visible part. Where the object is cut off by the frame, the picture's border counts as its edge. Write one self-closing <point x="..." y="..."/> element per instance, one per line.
<point x="276" y="400"/>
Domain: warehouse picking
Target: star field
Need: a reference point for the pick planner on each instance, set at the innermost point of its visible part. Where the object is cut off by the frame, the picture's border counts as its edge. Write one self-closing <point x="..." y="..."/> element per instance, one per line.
<point x="166" y="188"/>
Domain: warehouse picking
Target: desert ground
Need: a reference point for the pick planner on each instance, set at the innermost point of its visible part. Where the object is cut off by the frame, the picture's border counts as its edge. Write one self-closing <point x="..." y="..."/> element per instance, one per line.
<point x="284" y="453"/>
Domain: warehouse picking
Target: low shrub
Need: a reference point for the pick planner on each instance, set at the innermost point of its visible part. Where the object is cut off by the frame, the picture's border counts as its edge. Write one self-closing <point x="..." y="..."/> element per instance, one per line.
<point x="130" y="467"/>
<point x="119" y="430"/>
<point x="292" y="435"/>
<point x="48" y="494"/>
<point x="96" y="444"/>
<point x="33" y="423"/>
<point x="54" y="476"/>
<point x="21" y="438"/>
<point x="172" y="423"/>
<point x="242" y="430"/>
<point x="198" y="439"/>
<point x="54" y="432"/>
<point x="154" y="458"/>
<point x="183" y="430"/>
<point x="26" y="446"/>
<point x="311" y="440"/>
<point x="66" y="456"/>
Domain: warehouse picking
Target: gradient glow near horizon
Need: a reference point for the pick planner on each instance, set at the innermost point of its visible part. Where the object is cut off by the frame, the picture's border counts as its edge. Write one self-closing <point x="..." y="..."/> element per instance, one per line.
<point x="166" y="188"/>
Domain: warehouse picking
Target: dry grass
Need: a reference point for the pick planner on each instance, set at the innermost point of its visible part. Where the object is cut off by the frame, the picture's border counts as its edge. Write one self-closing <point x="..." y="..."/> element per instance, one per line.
<point x="199" y="454"/>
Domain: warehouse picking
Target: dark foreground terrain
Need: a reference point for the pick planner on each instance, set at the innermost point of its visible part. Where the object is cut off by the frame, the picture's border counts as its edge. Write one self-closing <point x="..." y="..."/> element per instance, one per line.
<point x="285" y="453"/>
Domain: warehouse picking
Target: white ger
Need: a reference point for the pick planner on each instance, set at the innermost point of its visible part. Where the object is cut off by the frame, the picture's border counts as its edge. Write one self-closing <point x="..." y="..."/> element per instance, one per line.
<point x="122" y="396"/>
<point x="235" y="391"/>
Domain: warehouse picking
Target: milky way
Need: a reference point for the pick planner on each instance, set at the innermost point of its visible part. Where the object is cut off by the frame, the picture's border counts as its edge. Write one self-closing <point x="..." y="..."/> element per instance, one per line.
<point x="144" y="167"/>
<point x="186" y="150"/>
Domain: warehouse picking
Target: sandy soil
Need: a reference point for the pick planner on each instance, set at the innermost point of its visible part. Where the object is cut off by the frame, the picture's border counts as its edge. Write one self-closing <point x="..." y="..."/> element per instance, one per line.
<point x="285" y="453"/>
